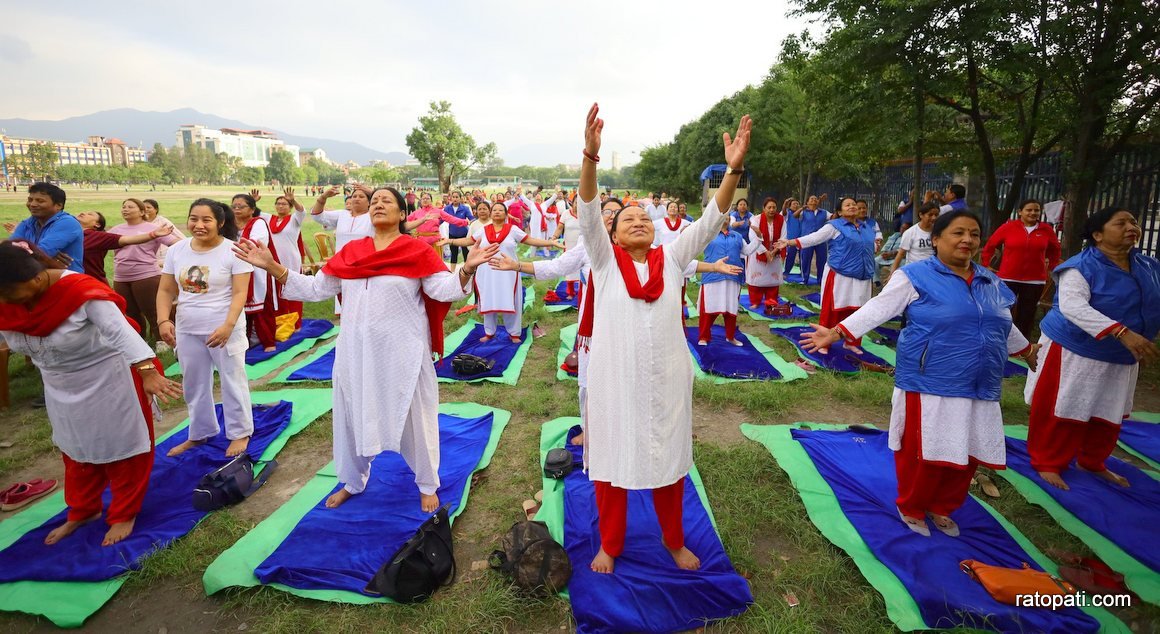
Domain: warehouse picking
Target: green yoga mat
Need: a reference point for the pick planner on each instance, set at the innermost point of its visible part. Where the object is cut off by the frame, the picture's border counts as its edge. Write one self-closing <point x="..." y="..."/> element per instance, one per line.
<point x="887" y="354"/>
<point x="567" y="340"/>
<point x="509" y="376"/>
<point x="789" y="371"/>
<point x="826" y="514"/>
<point x="235" y="567"/>
<point x="261" y="369"/>
<point x="1139" y="577"/>
<point x="70" y="603"/>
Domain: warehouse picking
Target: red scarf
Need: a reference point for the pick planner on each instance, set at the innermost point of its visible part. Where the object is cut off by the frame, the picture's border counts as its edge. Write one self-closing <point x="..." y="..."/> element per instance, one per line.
<point x="271" y="289"/>
<point x="61" y="299"/>
<point x="768" y="239"/>
<point x="497" y="238"/>
<point x="649" y="292"/>
<point x="543" y="218"/>
<point x="406" y="257"/>
<point x="670" y="225"/>
<point x="278" y="223"/>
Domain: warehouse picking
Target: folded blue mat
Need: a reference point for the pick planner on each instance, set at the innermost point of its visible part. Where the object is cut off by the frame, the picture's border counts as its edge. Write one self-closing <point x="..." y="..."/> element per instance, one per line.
<point x="797" y="313"/>
<point x="813" y="298"/>
<point x="725" y="359"/>
<point x="560" y="288"/>
<point x="646" y="592"/>
<point x="166" y="514"/>
<point x="1143" y="438"/>
<point x="1126" y="516"/>
<point x="500" y="348"/>
<point x="310" y="328"/>
<point x="838" y="359"/>
<point x="342" y="548"/>
<point x="320" y="369"/>
<point x="859" y="467"/>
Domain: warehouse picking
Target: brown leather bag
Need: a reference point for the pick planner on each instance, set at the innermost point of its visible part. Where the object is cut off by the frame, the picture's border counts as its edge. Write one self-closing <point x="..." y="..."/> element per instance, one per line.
<point x="1004" y="584"/>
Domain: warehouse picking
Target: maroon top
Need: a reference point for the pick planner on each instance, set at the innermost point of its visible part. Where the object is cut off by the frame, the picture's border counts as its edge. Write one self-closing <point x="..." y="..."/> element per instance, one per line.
<point x="97" y="244"/>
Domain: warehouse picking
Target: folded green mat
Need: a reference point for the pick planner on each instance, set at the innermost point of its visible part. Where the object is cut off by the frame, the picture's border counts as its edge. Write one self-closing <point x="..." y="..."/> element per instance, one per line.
<point x="69" y="603"/>
<point x="235" y="567"/>
<point x="826" y="514"/>
<point x="262" y="368"/>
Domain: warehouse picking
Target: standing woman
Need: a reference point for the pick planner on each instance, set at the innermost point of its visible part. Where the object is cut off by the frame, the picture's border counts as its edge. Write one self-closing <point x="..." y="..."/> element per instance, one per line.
<point x="351" y="223"/>
<point x="99" y="242"/>
<point x="153" y="214"/>
<point x="791" y="211"/>
<point x="1100" y="329"/>
<point x="211" y="286"/>
<point x="396" y="292"/>
<point x="569" y="228"/>
<point x="286" y="232"/>
<point x="670" y="226"/>
<point x="946" y="418"/>
<point x="262" y="301"/>
<point x="426" y="221"/>
<point x="763" y="267"/>
<point x="720" y="292"/>
<point x="846" y="279"/>
<point x="98" y="377"/>
<point x="640" y="421"/>
<point x="1030" y="252"/>
<point x="135" y="273"/>
<point x="740" y="219"/>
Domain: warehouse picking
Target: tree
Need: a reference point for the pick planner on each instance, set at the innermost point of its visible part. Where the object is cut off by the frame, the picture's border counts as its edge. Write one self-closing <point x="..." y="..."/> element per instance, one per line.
<point x="440" y="143"/>
<point x="144" y="173"/>
<point x="249" y="176"/>
<point x="281" y="168"/>
<point x="37" y="163"/>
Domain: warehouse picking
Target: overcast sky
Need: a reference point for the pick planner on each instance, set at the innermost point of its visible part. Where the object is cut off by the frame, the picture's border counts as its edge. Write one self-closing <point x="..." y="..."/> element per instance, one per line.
<point x="519" y="73"/>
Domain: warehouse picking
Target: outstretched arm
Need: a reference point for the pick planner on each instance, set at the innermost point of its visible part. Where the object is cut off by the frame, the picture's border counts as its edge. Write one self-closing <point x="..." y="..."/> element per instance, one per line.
<point x="694" y="240"/>
<point x="588" y="203"/>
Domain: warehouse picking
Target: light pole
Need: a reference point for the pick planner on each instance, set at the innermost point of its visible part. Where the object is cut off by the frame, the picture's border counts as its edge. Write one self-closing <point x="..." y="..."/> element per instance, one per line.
<point x="3" y="157"/>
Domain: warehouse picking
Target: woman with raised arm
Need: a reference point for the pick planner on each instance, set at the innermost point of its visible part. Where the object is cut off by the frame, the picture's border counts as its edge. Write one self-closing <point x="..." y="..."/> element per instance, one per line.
<point x="764" y="268"/>
<point x="396" y="291"/>
<point x="262" y="301"/>
<point x="640" y="423"/>
<point x="286" y="233"/>
<point x="135" y="272"/>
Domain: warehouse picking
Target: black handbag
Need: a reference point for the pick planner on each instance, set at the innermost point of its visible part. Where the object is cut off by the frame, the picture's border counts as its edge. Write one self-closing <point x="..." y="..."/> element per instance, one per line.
<point x="423" y="564"/>
<point x="558" y="463"/>
<point x="231" y="483"/>
<point x="470" y="365"/>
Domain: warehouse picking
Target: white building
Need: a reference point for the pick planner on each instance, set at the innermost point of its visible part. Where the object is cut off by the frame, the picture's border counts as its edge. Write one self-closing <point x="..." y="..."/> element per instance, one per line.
<point x="252" y="146"/>
<point x="616" y="160"/>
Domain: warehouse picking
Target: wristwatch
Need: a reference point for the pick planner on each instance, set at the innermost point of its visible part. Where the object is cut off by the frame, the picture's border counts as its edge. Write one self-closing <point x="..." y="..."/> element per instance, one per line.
<point x="730" y="170"/>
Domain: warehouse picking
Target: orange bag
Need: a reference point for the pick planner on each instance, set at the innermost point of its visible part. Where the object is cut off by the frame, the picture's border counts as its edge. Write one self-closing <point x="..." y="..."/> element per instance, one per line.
<point x="1003" y="584"/>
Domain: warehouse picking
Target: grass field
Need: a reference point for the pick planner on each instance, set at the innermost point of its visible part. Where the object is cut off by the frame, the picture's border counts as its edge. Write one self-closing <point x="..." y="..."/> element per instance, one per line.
<point x="762" y="521"/>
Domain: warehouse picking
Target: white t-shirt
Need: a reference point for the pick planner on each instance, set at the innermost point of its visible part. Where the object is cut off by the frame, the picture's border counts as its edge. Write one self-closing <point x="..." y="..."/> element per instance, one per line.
<point x="205" y="285"/>
<point x="917" y="244"/>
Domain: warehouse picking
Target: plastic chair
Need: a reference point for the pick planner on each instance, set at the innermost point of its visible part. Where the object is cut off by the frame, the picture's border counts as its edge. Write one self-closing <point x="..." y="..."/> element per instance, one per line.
<point x="325" y="243"/>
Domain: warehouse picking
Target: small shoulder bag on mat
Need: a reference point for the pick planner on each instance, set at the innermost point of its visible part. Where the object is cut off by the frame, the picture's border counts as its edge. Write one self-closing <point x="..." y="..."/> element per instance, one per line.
<point x="231" y="483"/>
<point x="421" y="566"/>
<point x="1004" y="584"/>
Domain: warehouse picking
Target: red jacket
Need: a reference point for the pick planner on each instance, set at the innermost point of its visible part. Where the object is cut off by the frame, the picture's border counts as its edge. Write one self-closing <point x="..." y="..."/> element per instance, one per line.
<point x="1024" y="254"/>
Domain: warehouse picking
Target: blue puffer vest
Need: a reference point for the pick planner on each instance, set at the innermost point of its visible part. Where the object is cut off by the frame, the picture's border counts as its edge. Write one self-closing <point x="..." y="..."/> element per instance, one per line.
<point x="955" y="339"/>
<point x="852" y="252"/>
<point x="728" y="246"/>
<point x="1132" y="299"/>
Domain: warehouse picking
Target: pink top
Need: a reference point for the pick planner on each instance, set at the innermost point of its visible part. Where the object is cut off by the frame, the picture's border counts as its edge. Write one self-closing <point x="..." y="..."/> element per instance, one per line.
<point x="138" y="261"/>
<point x="432" y="226"/>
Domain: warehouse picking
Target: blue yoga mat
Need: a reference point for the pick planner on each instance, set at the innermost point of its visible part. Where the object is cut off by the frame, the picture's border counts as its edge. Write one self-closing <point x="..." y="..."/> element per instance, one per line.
<point x="1143" y="438"/>
<point x="1126" y="516"/>
<point x="646" y="592"/>
<point x="1013" y="369"/>
<point x="320" y="369"/>
<point x="574" y="302"/>
<point x="310" y="328"/>
<point x="813" y="298"/>
<point x="797" y="313"/>
<point x="501" y="348"/>
<point x="727" y="360"/>
<point x="166" y="514"/>
<point x="838" y="359"/>
<point x="796" y="278"/>
<point x="342" y="548"/>
<point x="859" y="467"/>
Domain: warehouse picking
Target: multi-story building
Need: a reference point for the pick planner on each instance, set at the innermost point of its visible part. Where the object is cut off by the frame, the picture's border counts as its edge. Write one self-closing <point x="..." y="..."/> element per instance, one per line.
<point x="252" y="146"/>
<point x="97" y="150"/>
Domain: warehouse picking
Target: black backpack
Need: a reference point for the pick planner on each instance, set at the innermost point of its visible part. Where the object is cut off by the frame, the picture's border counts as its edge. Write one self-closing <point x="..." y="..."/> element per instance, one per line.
<point x="423" y="564"/>
<point x="470" y="365"/>
<point x="535" y="561"/>
<point x="231" y="483"/>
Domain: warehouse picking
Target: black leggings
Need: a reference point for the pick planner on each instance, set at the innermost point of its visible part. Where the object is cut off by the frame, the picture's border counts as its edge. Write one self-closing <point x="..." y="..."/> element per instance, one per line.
<point x="455" y="253"/>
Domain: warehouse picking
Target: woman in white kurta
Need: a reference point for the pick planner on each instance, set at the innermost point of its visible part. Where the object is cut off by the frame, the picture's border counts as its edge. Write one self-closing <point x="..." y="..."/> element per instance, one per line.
<point x="569" y="229"/>
<point x="669" y="227"/>
<point x="383" y="406"/>
<point x="350" y="223"/>
<point x="641" y="378"/>
<point x="286" y="227"/>
<point x="764" y="271"/>
<point x="97" y="372"/>
<point x="262" y="302"/>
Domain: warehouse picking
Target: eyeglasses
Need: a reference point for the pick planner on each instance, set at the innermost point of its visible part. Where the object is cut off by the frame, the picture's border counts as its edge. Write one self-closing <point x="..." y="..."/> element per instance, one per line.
<point x="606" y="212"/>
<point x="239" y="207"/>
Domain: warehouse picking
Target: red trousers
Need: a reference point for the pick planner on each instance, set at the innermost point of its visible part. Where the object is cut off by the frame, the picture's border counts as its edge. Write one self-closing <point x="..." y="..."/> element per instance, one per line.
<point x="571" y="287"/>
<point x="1053" y="442"/>
<point x="831" y="316"/>
<point x="262" y="325"/>
<point x="705" y="323"/>
<point x="926" y="486"/>
<point x="763" y="296"/>
<point x="612" y="507"/>
<point x="84" y="482"/>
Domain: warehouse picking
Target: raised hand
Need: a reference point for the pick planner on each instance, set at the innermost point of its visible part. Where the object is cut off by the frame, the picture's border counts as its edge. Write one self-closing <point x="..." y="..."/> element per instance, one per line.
<point x="820" y="339"/>
<point x="162" y="231"/>
<point x="256" y="194"/>
<point x="477" y="256"/>
<point x="255" y="253"/>
<point x="289" y="194"/>
<point x="780" y="244"/>
<point x="721" y="266"/>
<point x="593" y="128"/>
<point x="10" y="227"/>
<point x="737" y="146"/>
<point x="330" y="192"/>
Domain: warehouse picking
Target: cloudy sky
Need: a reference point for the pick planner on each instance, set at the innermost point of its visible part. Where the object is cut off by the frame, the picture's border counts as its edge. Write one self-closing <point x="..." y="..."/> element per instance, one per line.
<point x="519" y="73"/>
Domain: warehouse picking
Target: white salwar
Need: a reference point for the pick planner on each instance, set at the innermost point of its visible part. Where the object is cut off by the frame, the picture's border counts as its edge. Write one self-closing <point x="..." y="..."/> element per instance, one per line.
<point x="286" y="242"/>
<point x="88" y="387"/>
<point x="955" y="430"/>
<point x="383" y="406"/>
<point x="640" y="419"/>
<point x="1088" y="388"/>
<point x="758" y="273"/>
<point x="847" y="292"/>
<point x="499" y="293"/>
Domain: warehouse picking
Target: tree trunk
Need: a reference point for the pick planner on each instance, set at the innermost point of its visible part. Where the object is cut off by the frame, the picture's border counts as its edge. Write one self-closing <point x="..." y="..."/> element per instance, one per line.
<point x="919" y="139"/>
<point x="1082" y="174"/>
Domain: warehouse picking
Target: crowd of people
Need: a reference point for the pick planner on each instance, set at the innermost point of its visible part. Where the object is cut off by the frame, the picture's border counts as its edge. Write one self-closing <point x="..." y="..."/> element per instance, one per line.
<point x="231" y="276"/>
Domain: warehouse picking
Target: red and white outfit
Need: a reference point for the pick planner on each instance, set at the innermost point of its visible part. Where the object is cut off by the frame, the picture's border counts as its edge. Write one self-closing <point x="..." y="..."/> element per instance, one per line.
<point x="545" y="217"/>
<point x="287" y="236"/>
<point x="571" y="224"/>
<point x="79" y="338"/>
<point x="500" y="292"/>
<point x="841" y="295"/>
<point x="764" y="271"/>
<point x="666" y="230"/>
<point x="262" y="300"/>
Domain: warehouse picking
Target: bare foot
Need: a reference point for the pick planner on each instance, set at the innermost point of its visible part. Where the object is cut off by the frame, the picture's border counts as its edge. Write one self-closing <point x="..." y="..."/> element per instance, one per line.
<point x="270" y="349"/>
<point x="1110" y="476"/>
<point x="118" y="531"/>
<point x="485" y="338"/>
<point x="1054" y="479"/>
<point x="337" y="498"/>
<point x="516" y="340"/>
<point x="823" y="351"/>
<point x="578" y="439"/>
<point x="429" y="503"/>
<point x="855" y="349"/>
<point x="66" y="529"/>
<point x="603" y="563"/>
<point x="685" y="558"/>
<point x="237" y="447"/>
<point x="184" y="447"/>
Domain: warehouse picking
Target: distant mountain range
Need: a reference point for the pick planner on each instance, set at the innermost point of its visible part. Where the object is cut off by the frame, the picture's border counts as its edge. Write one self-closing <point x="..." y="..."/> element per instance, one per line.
<point x="135" y="126"/>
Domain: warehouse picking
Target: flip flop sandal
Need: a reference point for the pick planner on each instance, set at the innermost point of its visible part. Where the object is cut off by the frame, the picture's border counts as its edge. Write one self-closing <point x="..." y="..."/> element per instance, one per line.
<point x="806" y="365"/>
<point x="987" y="485"/>
<point x="531" y="507"/>
<point x="914" y="524"/>
<point x="950" y="530"/>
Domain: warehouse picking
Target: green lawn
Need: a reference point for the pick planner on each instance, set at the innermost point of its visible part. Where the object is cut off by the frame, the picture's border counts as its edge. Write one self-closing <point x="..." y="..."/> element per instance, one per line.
<point x="762" y="521"/>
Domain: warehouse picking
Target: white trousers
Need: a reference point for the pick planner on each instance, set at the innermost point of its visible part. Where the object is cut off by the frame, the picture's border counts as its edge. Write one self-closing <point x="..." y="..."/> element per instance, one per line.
<point x="512" y="321"/>
<point x="198" y="362"/>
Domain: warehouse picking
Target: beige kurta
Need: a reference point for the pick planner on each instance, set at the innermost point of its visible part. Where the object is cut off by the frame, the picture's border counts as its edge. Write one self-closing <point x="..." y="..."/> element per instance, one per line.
<point x="640" y="378"/>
